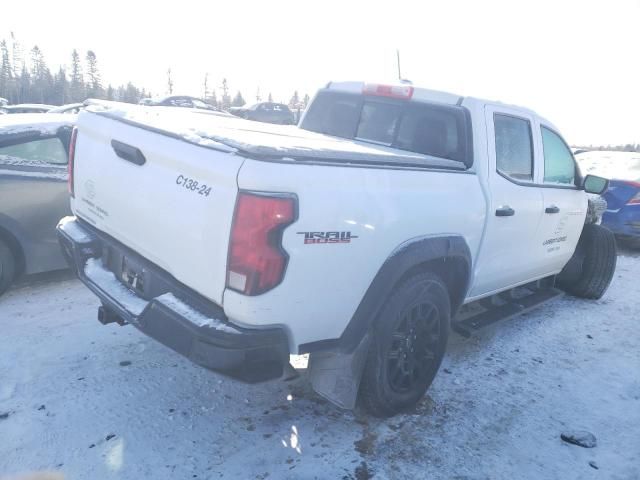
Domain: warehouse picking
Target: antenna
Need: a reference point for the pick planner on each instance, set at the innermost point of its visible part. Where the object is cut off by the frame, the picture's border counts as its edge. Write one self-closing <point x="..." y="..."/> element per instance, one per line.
<point x="402" y="80"/>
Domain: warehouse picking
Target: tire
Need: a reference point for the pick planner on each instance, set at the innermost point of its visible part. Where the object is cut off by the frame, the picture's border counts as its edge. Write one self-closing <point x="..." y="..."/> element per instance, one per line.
<point x="7" y="267"/>
<point x="590" y="270"/>
<point x="399" y="369"/>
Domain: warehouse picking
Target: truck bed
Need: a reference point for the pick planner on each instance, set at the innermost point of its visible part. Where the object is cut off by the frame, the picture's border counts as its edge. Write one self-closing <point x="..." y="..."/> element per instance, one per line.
<point x="261" y="140"/>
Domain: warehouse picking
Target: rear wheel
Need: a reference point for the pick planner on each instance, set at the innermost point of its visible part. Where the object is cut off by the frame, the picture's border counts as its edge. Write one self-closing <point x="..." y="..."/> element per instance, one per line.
<point x="7" y="267"/>
<point x="590" y="270"/>
<point x="409" y="340"/>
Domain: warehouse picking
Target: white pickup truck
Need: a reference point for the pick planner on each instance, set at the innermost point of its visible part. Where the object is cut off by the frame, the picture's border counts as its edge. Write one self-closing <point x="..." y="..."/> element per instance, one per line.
<point x="358" y="236"/>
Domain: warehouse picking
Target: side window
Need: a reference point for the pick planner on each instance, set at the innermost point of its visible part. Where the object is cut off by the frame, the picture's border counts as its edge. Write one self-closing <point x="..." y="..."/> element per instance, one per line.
<point x="47" y="150"/>
<point x="514" y="147"/>
<point x="559" y="166"/>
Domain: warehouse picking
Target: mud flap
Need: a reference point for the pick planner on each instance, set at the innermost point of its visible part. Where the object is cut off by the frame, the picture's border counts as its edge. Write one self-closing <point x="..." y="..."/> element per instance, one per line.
<point x="336" y="376"/>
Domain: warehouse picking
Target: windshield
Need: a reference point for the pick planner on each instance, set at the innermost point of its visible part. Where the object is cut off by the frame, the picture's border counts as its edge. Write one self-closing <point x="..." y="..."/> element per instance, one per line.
<point x="434" y="130"/>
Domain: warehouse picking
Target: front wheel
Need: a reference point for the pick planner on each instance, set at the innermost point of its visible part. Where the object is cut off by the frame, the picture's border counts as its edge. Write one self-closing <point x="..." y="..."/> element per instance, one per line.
<point x="409" y="340"/>
<point x="591" y="268"/>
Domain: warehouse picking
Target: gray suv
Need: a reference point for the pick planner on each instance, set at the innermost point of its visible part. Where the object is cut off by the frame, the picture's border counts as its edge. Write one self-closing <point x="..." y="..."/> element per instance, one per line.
<point x="33" y="192"/>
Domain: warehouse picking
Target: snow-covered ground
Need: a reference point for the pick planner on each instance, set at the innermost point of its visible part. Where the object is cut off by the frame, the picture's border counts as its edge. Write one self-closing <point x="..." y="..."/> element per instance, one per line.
<point x="106" y="402"/>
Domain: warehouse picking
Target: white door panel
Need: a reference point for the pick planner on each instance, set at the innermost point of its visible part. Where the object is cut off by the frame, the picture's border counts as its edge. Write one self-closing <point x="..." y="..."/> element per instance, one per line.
<point x="565" y="206"/>
<point x="508" y="255"/>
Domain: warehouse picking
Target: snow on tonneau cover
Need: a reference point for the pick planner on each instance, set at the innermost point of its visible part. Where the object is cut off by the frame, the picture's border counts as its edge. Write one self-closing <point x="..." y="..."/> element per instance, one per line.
<point x="176" y="208"/>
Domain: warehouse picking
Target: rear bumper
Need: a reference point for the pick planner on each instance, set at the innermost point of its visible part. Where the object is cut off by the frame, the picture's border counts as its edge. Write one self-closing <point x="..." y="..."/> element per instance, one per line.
<point x="171" y="313"/>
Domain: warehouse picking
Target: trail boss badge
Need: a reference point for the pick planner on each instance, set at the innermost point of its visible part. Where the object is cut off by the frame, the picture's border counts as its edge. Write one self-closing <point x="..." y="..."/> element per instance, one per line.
<point x="327" y="237"/>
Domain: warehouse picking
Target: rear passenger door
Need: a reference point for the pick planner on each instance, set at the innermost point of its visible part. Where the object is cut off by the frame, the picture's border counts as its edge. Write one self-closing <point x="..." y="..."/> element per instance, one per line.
<point x="565" y="204"/>
<point x="508" y="253"/>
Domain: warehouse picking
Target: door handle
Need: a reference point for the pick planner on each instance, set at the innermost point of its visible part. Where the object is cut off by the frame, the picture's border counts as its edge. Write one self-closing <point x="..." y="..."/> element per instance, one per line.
<point x="552" y="209"/>
<point x="505" y="211"/>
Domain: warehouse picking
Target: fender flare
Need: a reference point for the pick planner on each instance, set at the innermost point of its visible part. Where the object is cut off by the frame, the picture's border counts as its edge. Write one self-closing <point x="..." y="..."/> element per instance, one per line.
<point x="448" y="255"/>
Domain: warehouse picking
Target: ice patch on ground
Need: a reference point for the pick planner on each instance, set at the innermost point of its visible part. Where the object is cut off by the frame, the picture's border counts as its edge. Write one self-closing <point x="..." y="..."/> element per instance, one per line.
<point x="108" y="282"/>
<point x="194" y="316"/>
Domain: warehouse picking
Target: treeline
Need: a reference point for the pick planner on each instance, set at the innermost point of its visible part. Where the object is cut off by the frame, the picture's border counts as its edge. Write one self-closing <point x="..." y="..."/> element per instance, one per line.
<point x="629" y="147"/>
<point x="26" y="78"/>
<point x="30" y="80"/>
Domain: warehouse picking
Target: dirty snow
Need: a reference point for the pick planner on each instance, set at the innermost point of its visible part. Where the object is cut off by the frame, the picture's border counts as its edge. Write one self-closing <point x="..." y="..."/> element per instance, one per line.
<point x="193" y="315"/>
<point x="108" y="282"/>
<point x="106" y="402"/>
<point x="283" y="141"/>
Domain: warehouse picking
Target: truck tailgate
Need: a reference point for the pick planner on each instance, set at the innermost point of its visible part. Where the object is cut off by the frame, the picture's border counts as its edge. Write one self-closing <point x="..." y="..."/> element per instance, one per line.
<point x="170" y="201"/>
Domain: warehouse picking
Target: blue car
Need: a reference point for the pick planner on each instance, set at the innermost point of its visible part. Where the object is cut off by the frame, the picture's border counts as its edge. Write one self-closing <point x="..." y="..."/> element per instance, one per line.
<point x="622" y="216"/>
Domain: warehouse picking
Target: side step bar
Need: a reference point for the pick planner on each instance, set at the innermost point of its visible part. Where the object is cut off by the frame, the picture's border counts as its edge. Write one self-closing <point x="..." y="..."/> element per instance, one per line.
<point x="503" y="306"/>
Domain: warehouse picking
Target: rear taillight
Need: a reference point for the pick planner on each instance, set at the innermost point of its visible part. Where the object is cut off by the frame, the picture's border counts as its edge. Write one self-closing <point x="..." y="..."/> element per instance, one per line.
<point x="257" y="260"/>
<point x="635" y="200"/>
<point x="72" y="154"/>
<point x="392" y="91"/>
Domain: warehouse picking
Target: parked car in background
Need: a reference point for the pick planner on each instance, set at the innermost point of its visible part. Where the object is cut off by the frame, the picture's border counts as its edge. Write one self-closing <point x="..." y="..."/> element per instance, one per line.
<point x="183" y="101"/>
<point x="69" y="108"/>
<point x="33" y="192"/>
<point x="268" y="112"/>
<point x="622" y="216"/>
<point x="28" y="108"/>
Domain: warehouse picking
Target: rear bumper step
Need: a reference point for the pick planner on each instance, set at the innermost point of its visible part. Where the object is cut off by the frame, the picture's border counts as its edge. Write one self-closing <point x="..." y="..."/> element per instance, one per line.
<point x="171" y="314"/>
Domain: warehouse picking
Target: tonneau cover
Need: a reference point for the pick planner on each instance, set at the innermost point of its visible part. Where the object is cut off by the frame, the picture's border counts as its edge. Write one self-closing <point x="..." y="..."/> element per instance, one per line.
<point x="227" y="133"/>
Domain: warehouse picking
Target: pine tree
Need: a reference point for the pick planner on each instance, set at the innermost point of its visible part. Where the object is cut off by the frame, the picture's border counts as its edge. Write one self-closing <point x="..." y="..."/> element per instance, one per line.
<point x="238" y="101"/>
<point x="41" y="79"/>
<point x="6" y="73"/>
<point x="169" y="82"/>
<point x="94" y="83"/>
<point x="295" y="100"/>
<point x="110" y="93"/>
<point x="60" y="92"/>
<point x="305" y="100"/>
<point x="213" y="99"/>
<point x="225" y="101"/>
<point x="16" y="54"/>
<point x="270" y="98"/>
<point x="77" y="87"/>
<point x="205" y="90"/>
<point x="258" y="96"/>
<point x="24" y="86"/>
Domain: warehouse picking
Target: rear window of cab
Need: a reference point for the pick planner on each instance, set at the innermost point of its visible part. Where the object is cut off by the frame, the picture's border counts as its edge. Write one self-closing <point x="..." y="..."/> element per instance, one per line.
<point x="436" y="130"/>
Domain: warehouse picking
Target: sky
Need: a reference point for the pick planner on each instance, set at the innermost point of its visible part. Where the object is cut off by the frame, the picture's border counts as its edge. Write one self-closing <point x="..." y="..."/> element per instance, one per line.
<point x="577" y="63"/>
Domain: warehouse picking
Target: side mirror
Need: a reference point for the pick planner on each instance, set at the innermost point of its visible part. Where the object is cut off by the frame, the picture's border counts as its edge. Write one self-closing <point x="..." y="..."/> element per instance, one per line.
<point x="595" y="184"/>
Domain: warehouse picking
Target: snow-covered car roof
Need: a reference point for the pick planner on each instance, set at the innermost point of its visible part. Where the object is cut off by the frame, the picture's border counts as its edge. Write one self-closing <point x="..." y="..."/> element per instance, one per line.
<point x="611" y="165"/>
<point x="66" y="108"/>
<point x="46" y="123"/>
<point x="30" y="106"/>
